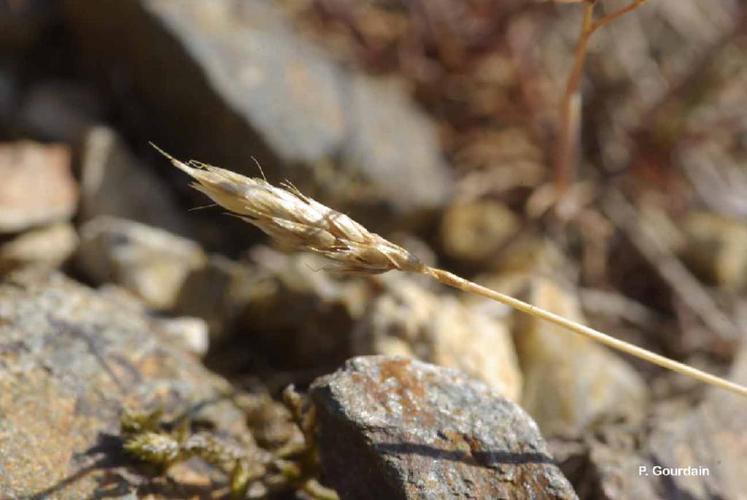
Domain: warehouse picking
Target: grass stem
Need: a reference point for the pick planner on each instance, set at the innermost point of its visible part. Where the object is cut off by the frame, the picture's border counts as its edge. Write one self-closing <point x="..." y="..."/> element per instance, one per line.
<point x="467" y="286"/>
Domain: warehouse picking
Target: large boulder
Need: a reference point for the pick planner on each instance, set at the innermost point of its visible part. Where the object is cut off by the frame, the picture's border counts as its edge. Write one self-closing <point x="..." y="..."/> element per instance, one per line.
<point x="231" y="80"/>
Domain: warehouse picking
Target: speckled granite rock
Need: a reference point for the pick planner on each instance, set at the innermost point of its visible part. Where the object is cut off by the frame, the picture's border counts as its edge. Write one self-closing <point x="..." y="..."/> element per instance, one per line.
<point x="70" y="360"/>
<point x="266" y="92"/>
<point x="396" y="428"/>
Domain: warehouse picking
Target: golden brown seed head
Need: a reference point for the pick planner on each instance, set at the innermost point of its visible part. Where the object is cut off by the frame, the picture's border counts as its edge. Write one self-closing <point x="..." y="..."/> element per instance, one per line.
<point x="298" y="222"/>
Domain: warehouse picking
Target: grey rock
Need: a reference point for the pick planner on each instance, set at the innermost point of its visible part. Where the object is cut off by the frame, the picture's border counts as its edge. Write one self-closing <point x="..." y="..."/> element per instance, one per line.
<point x="241" y="83"/>
<point x="37" y="185"/>
<point x="70" y="361"/>
<point x="8" y="95"/>
<point x="114" y="183"/>
<point x="605" y="464"/>
<point x="23" y="23"/>
<point x="396" y="428"/>
<point x="167" y="272"/>
<point x="151" y="263"/>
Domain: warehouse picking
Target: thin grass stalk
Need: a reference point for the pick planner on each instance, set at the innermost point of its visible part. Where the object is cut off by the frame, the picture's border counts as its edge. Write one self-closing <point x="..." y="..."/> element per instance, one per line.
<point x="298" y="222"/>
<point x="467" y="286"/>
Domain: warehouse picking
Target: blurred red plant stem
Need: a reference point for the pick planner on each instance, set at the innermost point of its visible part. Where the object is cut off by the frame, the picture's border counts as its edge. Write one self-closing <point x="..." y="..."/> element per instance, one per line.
<point x="566" y="149"/>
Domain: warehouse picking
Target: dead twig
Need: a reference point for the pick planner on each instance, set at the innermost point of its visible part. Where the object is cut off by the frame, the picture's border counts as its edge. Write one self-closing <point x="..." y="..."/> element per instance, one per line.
<point x="570" y="105"/>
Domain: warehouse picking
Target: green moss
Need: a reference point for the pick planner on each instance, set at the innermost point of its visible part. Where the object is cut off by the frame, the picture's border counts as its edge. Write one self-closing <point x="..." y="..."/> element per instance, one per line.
<point x="289" y="466"/>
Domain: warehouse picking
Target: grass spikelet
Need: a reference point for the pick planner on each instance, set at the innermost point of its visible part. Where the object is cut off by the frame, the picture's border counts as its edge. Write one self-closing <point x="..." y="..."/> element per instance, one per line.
<point x="298" y="222"/>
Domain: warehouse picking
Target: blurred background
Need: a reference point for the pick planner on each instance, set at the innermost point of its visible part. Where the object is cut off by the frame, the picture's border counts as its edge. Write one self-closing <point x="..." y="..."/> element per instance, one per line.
<point x="434" y="123"/>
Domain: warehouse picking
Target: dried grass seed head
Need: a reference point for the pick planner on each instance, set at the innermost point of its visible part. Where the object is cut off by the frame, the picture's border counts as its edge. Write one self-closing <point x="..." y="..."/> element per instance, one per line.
<point x="298" y="222"/>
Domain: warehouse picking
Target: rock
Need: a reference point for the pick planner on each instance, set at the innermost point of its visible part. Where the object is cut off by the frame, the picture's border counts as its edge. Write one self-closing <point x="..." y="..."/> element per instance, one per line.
<point x="476" y="231"/>
<point x="37" y="185"/>
<point x="681" y="452"/>
<point x="191" y="333"/>
<point x="528" y="255"/>
<point x="217" y="291"/>
<point x="570" y="382"/>
<point x="114" y="183"/>
<point x="151" y="263"/>
<point x="47" y="246"/>
<point x="409" y="320"/>
<point x="264" y="91"/>
<point x="70" y="362"/>
<point x="299" y="315"/>
<point x="711" y="438"/>
<point x="716" y="249"/>
<point x="397" y="428"/>
<point x="605" y="463"/>
<point x="58" y="110"/>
